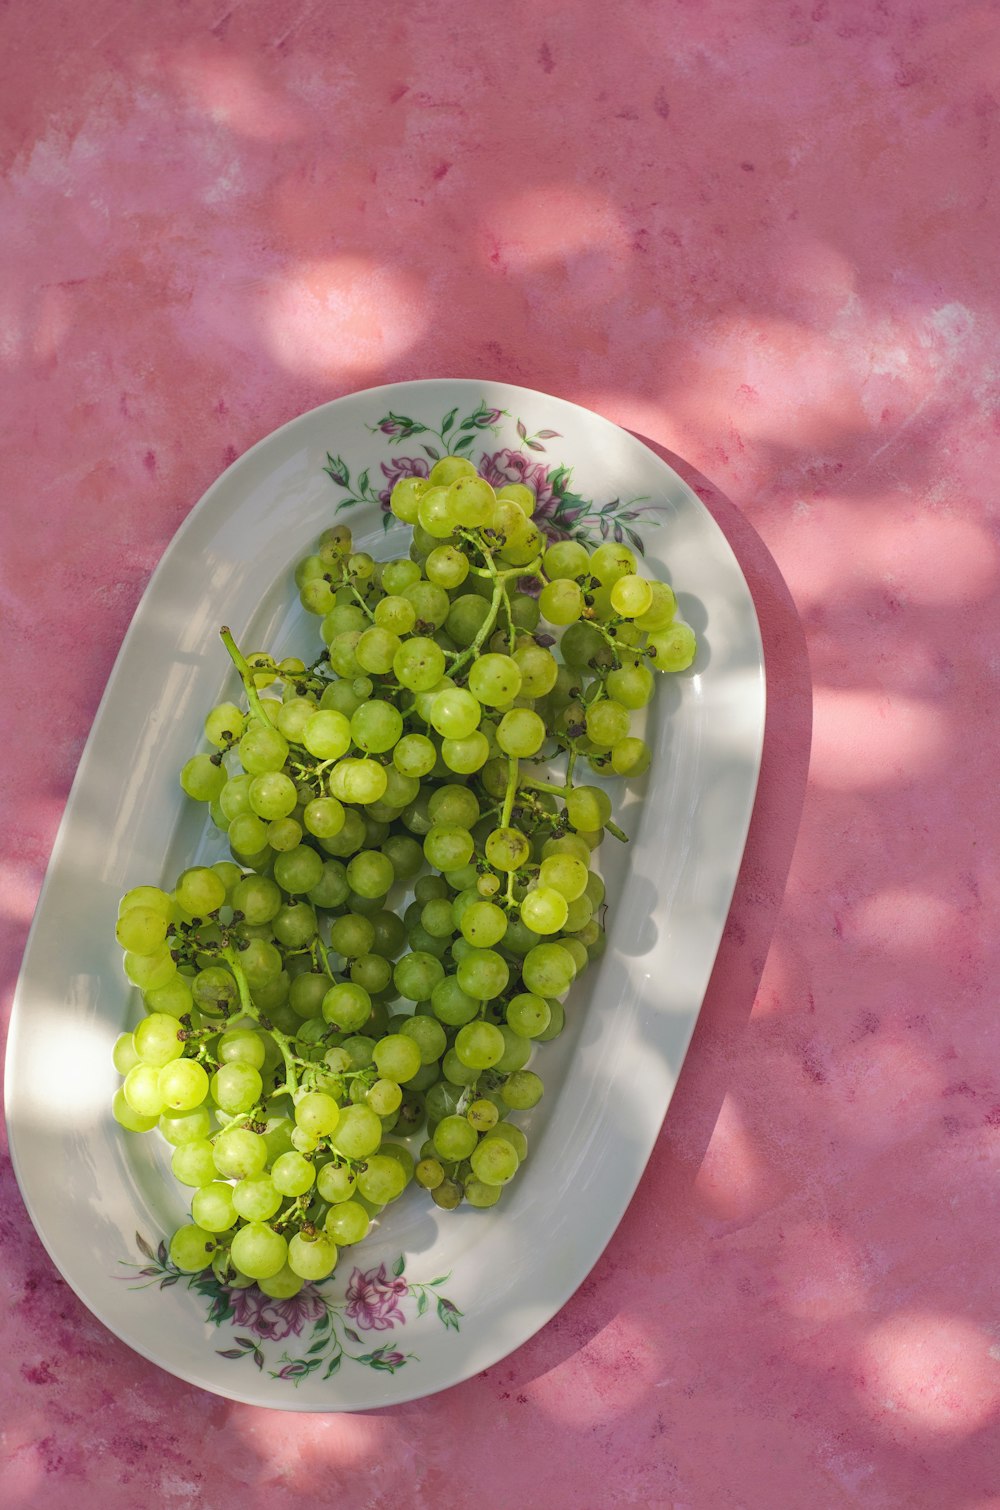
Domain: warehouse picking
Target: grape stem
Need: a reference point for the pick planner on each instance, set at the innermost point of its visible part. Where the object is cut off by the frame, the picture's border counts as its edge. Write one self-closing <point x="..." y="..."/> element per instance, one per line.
<point x="560" y="791"/>
<point x="242" y="665"/>
<point x="500" y="597"/>
<point x="511" y="792"/>
<point x="361" y="600"/>
<point x="291" y="1084"/>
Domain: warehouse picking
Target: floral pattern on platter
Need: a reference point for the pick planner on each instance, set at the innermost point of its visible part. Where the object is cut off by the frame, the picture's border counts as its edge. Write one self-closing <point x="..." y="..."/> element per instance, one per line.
<point x="560" y="512"/>
<point x="315" y="1328"/>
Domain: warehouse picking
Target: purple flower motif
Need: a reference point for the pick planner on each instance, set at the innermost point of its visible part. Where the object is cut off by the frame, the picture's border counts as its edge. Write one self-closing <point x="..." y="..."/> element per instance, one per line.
<point x="373" y="1299"/>
<point x="508" y="466"/>
<point x="395" y="1358"/>
<point x="487" y="417"/>
<point x="401" y="466"/>
<point x="292" y="1370"/>
<point x="275" y="1319"/>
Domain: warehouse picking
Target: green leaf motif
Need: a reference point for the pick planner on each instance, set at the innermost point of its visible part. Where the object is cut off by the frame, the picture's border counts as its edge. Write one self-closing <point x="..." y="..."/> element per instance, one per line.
<point x="448" y="421"/>
<point x="333" y="1366"/>
<point x="422" y="1303"/>
<point x="399" y="1265"/>
<point x="337" y="469"/>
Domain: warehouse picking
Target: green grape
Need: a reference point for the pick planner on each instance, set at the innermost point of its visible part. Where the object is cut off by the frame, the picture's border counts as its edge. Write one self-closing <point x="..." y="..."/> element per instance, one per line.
<point x="446" y="567"/>
<point x="384" y="1097"/>
<point x="247" y="835"/>
<point x="548" y="970"/>
<point x="521" y="733"/>
<point x="174" y="998"/>
<point x="292" y="1174"/>
<point x="258" y="1251"/>
<point x="141" y="930"/>
<point x="347" y="1223"/>
<point x="203" y="778"/>
<point x="583" y="645"/>
<point x="327" y="734"/>
<point x="126" y="1116"/>
<point x="397" y="1057"/>
<point x="495" y="680"/>
<point x="370" y="873"/>
<point x="565" y="873"/>
<point x="494" y="1161"/>
<point x="631" y="757"/>
<point x="182" y="1085"/>
<point x="507" y="849"/>
<point x="191" y="1249"/>
<point x="428" y="1035"/>
<point x="347" y="1006"/>
<point x="224" y="725"/>
<point x="358" y="1133"/>
<point x="272" y="795"/>
<point x="448" y="846"/>
<point x="611" y="562"/>
<point x="464" y="756"/>
<point x="405" y="497"/>
<point x="193" y="1163"/>
<point x="588" y="808"/>
<point x="312" y="1256"/>
<point x="429" y="1173"/>
<point x="631" y="686"/>
<point x="607" y="723"/>
<point x="479" y="1045"/>
<point x="417" y="974"/>
<point x="661" y="611"/>
<point x="236" y="1087"/>
<point x="395" y="614"/>
<point x="234" y="799"/>
<point x="294" y="716"/>
<point x="212" y="1207"/>
<point x="262" y="749"/>
<point x="382" y="1180"/>
<point x="453" y="804"/>
<point x="155" y="1040"/>
<point x="454" y="1139"/>
<point x="240" y="1154"/>
<point x="483" y="974"/>
<point x="419" y="663"/>
<point x="522" y="1090"/>
<point x="455" y="713"/>
<point x="539" y="669"/>
<point x="283" y="834"/>
<point x="466" y="617"/>
<point x="561" y="602"/>
<point x="673" y="648"/>
<point x="200" y="891"/>
<point x="335" y="1182"/>
<point x="483" y="924"/>
<point x="567" y="558"/>
<point x="528" y="1015"/>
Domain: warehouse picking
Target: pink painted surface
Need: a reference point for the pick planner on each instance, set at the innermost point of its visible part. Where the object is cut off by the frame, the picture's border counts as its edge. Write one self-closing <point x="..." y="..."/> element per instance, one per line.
<point x="763" y="235"/>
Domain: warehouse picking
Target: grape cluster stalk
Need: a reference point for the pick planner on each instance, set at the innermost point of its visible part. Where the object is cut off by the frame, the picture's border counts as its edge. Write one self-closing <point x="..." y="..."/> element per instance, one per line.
<point x="309" y="1050"/>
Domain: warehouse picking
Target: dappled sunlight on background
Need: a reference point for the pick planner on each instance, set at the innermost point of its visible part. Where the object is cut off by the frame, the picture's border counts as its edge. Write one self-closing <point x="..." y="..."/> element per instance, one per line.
<point x="344" y="315"/>
<point x="866" y="740"/>
<point x="930" y="1371"/>
<point x="756" y="237"/>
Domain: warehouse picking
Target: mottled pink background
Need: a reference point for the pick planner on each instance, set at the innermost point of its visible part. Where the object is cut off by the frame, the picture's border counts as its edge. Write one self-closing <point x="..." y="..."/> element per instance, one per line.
<point x="764" y="235"/>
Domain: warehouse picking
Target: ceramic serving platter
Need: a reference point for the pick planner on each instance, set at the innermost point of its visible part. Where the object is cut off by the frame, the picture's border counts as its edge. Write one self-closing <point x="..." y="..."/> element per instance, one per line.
<point x="432" y="1296"/>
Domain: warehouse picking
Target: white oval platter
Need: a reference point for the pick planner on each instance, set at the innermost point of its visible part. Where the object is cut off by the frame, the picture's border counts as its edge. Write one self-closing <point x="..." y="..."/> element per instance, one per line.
<point x="431" y="1297"/>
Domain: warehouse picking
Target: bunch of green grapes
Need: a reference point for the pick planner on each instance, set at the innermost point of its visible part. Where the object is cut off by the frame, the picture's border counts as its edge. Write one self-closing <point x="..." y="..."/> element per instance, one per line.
<point x="299" y="1011"/>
